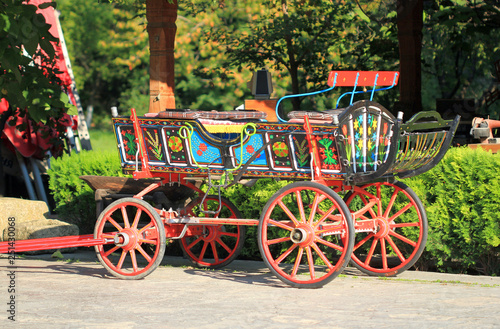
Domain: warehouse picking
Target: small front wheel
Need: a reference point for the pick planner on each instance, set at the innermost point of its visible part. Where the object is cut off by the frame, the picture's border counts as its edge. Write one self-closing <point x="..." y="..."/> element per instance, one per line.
<point x="138" y="238"/>
<point x="306" y="234"/>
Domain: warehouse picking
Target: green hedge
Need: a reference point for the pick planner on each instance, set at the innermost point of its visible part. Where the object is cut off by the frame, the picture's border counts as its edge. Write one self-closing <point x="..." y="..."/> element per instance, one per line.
<point x="75" y="201"/>
<point x="461" y="196"/>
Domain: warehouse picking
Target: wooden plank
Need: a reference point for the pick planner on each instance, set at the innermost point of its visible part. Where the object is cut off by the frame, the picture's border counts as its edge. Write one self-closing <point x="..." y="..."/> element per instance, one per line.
<point x="494" y="148"/>
<point x="365" y="78"/>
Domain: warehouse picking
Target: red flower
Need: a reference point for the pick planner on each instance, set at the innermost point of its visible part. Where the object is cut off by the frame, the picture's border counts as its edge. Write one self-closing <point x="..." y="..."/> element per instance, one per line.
<point x="344" y="130"/>
<point x="200" y="153"/>
<point x="203" y="147"/>
<point x="250" y="149"/>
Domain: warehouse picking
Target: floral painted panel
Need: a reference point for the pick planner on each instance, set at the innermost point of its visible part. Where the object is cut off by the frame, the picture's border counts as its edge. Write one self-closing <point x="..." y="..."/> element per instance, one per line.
<point x="176" y="146"/>
<point x="279" y="151"/>
<point x="250" y="146"/>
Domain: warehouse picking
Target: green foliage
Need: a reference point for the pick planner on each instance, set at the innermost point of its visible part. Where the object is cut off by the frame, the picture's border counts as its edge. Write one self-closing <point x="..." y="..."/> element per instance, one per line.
<point x="461" y="197"/>
<point x="203" y="80"/>
<point x="460" y="47"/>
<point x="74" y="199"/>
<point x="250" y="201"/>
<point x="27" y="80"/>
<point x="304" y="41"/>
<point x="108" y="47"/>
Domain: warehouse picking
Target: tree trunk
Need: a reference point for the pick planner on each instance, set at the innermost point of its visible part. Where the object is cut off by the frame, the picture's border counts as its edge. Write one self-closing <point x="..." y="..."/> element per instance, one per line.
<point x="161" y="16"/>
<point x="410" y="24"/>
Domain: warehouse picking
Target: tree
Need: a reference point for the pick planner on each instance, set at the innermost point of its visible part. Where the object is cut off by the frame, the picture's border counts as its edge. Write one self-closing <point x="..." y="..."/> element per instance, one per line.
<point x="28" y="80"/>
<point x="108" y="47"/>
<point x="308" y="39"/>
<point x="460" y="47"/>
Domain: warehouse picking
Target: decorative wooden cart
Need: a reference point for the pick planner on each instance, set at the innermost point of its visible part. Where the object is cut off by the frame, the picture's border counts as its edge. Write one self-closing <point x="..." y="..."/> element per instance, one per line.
<point x="307" y="233"/>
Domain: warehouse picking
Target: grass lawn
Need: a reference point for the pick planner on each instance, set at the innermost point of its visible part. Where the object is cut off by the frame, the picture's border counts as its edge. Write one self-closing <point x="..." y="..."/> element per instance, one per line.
<point x="103" y="140"/>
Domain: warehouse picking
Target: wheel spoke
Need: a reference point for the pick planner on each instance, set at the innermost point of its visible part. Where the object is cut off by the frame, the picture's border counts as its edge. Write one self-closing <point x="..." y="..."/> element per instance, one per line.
<point x="400" y="212"/>
<point x="286" y="253"/>
<point x="371" y="204"/>
<point x="317" y="199"/>
<point x="134" y="260"/>
<point x="231" y="234"/>
<point x="115" y="224"/>
<point x="301" y="207"/>
<point x="329" y="244"/>
<point x="297" y="262"/>
<point x="322" y="255"/>
<point x="326" y="215"/>
<point x="403" y="238"/>
<point x="370" y="253"/>
<point x="288" y="212"/>
<point x="136" y="219"/>
<point x="396" y="249"/>
<point x="416" y="224"/>
<point x="384" y="253"/>
<point x="203" y="250"/>
<point x="143" y="253"/>
<point x="125" y="216"/>
<point x="110" y="251"/>
<point x="391" y="203"/>
<point x="223" y="245"/>
<point x="362" y="242"/>
<point x="310" y="261"/>
<point x="108" y="235"/>
<point x="149" y="241"/>
<point x="379" y="199"/>
<point x="121" y="260"/>
<point x="281" y="224"/>
<point x="278" y="240"/>
<point x="150" y="224"/>
<point x="192" y="244"/>
<point x="214" y="251"/>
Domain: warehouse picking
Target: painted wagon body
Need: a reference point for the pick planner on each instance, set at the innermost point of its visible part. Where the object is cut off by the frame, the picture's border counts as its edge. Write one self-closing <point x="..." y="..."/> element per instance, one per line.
<point x="361" y="143"/>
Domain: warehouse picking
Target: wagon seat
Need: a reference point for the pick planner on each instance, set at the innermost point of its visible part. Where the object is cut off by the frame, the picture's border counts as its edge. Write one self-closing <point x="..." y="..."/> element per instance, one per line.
<point x="214" y="121"/>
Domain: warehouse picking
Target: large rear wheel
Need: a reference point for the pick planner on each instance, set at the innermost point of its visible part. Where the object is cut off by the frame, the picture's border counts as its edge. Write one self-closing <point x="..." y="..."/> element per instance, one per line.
<point x="391" y="228"/>
<point x="306" y="235"/>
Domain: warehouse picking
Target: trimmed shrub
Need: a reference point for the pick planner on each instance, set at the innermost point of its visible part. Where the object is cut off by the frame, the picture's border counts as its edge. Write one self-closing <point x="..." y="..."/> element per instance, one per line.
<point x="250" y="202"/>
<point x="75" y="201"/>
<point x="461" y="196"/>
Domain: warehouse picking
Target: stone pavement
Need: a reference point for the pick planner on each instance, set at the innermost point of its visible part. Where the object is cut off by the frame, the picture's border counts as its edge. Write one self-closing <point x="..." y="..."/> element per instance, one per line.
<point x="78" y="293"/>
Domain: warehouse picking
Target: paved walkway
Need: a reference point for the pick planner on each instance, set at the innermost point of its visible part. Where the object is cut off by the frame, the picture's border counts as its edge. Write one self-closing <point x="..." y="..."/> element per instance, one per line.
<point x="80" y="294"/>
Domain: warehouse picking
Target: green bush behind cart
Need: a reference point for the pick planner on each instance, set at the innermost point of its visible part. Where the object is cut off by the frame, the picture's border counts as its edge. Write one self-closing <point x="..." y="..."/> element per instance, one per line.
<point x="461" y="195"/>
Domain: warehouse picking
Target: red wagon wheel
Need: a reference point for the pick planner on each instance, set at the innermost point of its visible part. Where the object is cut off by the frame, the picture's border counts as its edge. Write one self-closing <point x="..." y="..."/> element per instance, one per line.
<point x="216" y="245"/>
<point x="391" y="228"/>
<point x="138" y="238"/>
<point x="306" y="234"/>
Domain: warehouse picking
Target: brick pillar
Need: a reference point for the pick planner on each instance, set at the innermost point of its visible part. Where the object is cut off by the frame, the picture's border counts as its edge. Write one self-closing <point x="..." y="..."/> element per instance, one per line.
<point x="161" y="16"/>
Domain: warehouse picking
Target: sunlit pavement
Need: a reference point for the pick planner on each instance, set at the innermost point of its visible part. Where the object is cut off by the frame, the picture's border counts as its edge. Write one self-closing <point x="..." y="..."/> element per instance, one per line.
<point x="78" y="292"/>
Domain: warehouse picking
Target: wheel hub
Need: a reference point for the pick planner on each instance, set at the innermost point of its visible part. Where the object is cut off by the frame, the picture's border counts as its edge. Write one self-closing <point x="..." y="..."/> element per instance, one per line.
<point x="127" y="238"/>
<point x="382" y="227"/>
<point x="210" y="233"/>
<point x="303" y="235"/>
